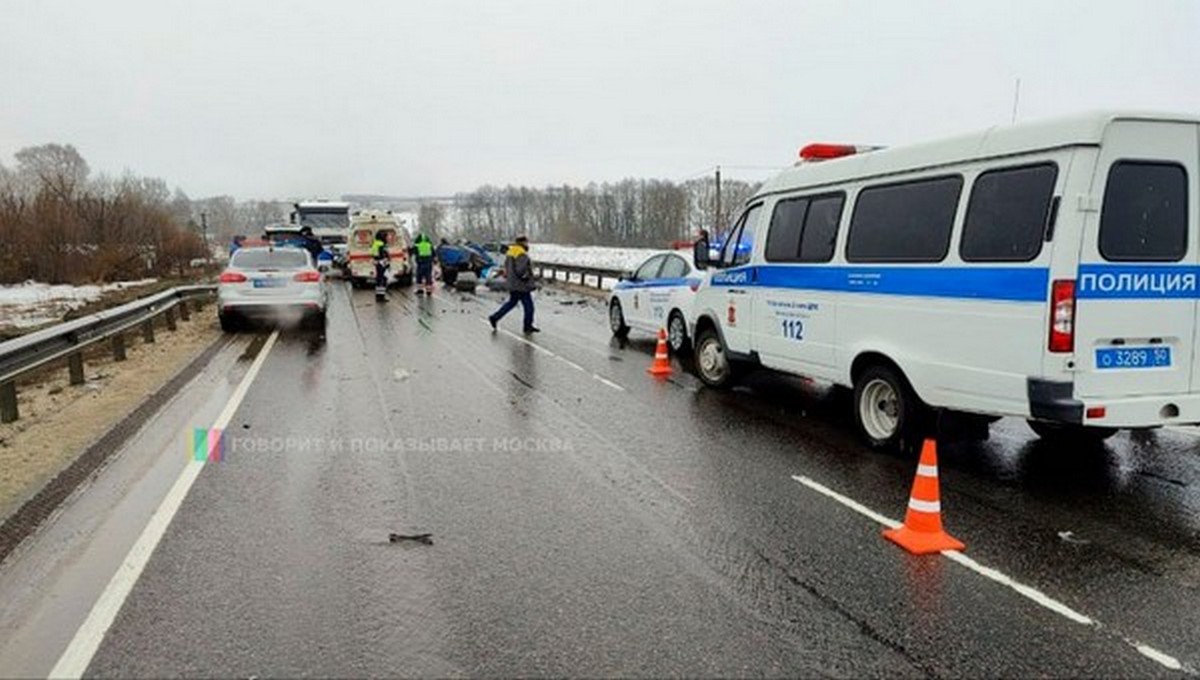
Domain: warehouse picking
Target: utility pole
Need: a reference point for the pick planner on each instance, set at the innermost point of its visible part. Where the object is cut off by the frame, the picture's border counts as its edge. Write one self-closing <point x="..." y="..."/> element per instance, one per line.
<point x="1016" y="99"/>
<point x="204" y="227"/>
<point x="717" y="216"/>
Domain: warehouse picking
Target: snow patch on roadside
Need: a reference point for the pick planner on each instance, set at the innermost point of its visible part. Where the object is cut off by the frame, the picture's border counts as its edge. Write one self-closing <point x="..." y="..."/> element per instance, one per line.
<point x="31" y="303"/>
<point x="602" y="257"/>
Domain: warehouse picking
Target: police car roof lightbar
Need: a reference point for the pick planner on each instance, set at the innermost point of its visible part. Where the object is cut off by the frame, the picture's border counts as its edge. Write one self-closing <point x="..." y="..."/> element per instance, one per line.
<point x="823" y="152"/>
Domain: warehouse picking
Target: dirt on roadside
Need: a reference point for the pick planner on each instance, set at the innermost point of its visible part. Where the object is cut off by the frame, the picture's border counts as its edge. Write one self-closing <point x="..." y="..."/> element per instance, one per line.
<point x="59" y="421"/>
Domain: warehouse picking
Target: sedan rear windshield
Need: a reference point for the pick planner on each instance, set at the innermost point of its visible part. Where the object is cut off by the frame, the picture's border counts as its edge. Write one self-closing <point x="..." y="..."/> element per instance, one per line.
<point x="282" y="258"/>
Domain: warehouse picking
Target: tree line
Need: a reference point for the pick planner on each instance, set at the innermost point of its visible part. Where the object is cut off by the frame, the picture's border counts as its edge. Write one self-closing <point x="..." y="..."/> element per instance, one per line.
<point x="59" y="223"/>
<point x="631" y="212"/>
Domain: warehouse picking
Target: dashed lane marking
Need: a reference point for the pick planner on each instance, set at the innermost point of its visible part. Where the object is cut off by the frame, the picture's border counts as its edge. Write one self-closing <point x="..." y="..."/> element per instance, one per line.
<point x="595" y="376"/>
<point x="1029" y="592"/>
<point x="83" y="646"/>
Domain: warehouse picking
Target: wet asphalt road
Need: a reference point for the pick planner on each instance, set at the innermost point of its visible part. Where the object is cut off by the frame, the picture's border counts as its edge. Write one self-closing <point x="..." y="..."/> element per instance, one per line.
<point x="588" y="520"/>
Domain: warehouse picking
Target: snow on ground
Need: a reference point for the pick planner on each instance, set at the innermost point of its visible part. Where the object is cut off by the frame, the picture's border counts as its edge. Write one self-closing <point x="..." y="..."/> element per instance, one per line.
<point x="31" y="303"/>
<point x="602" y="257"/>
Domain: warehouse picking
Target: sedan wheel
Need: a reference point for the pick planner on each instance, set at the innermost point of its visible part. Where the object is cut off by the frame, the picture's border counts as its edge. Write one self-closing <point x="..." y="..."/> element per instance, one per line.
<point x="616" y="319"/>
<point x="677" y="334"/>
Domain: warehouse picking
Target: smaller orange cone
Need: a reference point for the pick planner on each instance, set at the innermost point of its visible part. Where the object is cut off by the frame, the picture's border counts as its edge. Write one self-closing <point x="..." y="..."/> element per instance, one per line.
<point x="662" y="364"/>
<point x="922" y="532"/>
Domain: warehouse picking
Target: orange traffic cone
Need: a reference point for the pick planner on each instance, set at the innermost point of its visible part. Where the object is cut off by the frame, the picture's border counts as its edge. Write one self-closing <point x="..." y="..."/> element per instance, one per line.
<point x="662" y="364"/>
<point x="922" y="532"/>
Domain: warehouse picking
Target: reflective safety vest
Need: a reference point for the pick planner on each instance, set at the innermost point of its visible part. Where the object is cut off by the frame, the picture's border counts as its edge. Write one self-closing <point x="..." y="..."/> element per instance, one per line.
<point x="376" y="246"/>
<point x="424" y="248"/>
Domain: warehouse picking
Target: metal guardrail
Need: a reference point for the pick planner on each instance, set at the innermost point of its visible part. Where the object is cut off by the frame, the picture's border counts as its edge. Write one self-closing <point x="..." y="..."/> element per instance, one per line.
<point x="569" y="270"/>
<point x="34" y="350"/>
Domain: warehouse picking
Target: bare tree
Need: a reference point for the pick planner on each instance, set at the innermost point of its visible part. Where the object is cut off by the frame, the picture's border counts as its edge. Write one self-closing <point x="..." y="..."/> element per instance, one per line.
<point x="430" y="218"/>
<point x="57" y="167"/>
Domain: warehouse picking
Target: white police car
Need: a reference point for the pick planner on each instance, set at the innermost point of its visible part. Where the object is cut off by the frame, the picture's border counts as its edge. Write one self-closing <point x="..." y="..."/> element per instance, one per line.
<point x="658" y="294"/>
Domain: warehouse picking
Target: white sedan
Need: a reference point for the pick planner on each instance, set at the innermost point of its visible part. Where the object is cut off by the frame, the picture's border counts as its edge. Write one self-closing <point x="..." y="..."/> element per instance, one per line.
<point x="658" y="294"/>
<point x="271" y="284"/>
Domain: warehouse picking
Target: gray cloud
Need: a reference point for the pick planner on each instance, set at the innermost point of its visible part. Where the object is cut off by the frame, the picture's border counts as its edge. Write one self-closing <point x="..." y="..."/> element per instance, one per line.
<point x="257" y="98"/>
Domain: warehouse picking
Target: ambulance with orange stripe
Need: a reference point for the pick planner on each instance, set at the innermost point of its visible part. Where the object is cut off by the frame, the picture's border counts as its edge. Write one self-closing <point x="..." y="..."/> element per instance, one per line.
<point x="1046" y="270"/>
<point x="361" y="263"/>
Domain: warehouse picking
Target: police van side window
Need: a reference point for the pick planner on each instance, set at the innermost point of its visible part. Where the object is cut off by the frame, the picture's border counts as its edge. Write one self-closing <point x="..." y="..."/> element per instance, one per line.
<point x="804" y="229"/>
<point x="1144" y="216"/>
<point x="1007" y="214"/>
<point x="821" y="228"/>
<point x="908" y="222"/>
<point x="783" y="236"/>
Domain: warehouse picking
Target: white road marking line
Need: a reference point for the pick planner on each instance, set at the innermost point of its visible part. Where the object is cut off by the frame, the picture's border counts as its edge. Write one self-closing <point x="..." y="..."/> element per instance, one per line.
<point x="599" y="378"/>
<point x="608" y="382"/>
<point x="1152" y="653"/>
<point x="83" y="646"/>
<point x="1028" y="592"/>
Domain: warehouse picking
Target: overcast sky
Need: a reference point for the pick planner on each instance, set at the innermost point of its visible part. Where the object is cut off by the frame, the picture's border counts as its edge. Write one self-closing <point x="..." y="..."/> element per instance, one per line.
<point x="245" y="97"/>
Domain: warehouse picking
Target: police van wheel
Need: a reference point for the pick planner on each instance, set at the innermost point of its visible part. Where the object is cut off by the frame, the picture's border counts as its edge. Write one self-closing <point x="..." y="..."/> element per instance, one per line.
<point x="1070" y="433"/>
<point x="712" y="361"/>
<point x="677" y="338"/>
<point x="616" y="319"/>
<point x="885" y="409"/>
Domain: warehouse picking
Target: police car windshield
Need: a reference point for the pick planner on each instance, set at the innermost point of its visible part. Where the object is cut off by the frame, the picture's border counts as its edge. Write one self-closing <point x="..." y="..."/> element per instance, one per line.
<point x="261" y="258"/>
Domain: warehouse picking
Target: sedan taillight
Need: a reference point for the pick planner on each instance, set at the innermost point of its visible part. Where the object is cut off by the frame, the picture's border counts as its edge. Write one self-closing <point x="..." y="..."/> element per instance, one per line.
<point x="310" y="276"/>
<point x="232" y="277"/>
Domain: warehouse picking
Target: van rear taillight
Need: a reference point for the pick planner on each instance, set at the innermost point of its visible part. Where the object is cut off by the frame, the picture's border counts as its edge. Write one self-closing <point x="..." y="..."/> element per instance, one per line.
<point x="1062" y="316"/>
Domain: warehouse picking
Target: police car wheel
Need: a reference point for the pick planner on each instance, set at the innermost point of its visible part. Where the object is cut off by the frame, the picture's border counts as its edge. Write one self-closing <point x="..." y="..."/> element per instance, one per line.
<point x="677" y="333"/>
<point x="884" y="407"/>
<point x="616" y="319"/>
<point x="712" y="363"/>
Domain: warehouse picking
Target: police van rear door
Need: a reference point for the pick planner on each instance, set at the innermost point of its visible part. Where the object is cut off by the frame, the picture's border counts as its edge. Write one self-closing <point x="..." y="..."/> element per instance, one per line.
<point x="1137" y="290"/>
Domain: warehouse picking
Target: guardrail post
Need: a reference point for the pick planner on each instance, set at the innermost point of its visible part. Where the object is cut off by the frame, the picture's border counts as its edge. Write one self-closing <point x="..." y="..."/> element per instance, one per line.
<point x="8" y="402"/>
<point x="75" y="367"/>
<point x="118" y="347"/>
<point x="184" y="312"/>
<point x="170" y="315"/>
<point x="148" y="330"/>
<point x="599" y="281"/>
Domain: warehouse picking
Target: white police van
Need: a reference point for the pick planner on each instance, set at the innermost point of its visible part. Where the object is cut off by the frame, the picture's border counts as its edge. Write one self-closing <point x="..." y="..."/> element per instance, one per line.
<point x="657" y="294"/>
<point x="1044" y="270"/>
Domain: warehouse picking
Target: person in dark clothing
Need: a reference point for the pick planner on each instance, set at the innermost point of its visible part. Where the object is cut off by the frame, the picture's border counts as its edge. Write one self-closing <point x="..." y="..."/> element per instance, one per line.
<point x="383" y="261"/>
<point x="423" y="249"/>
<point x="519" y="272"/>
<point x="311" y="244"/>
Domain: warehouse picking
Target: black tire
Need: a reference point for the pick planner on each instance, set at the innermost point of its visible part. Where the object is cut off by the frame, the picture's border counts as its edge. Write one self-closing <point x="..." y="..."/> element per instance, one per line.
<point x="449" y="276"/>
<point x="616" y="320"/>
<point x="677" y="335"/>
<point x="887" y="413"/>
<point x="405" y="280"/>
<point x="315" y="321"/>
<point x="711" y="360"/>
<point x="230" y="323"/>
<point x="1068" y="433"/>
